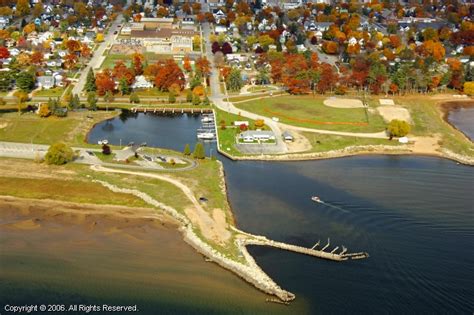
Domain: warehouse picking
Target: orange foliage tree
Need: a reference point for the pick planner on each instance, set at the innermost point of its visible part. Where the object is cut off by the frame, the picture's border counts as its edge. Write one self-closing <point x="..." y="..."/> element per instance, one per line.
<point x="168" y="74"/>
<point x="104" y="82"/>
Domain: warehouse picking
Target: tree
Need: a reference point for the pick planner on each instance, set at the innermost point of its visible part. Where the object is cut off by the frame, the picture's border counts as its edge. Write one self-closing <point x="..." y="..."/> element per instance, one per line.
<point x="90" y="82"/>
<point x="21" y="98"/>
<point x="59" y="154"/>
<point x="92" y="100"/>
<point x="137" y="62"/>
<point x="106" y="149"/>
<point x="36" y="58"/>
<point x="469" y="88"/>
<point x="203" y="66"/>
<point x="104" y="82"/>
<point x="99" y="38"/>
<point x="134" y="98"/>
<point x="37" y="9"/>
<point x="22" y="8"/>
<point x="398" y="128"/>
<point x="187" y="150"/>
<point x="4" y="52"/>
<point x="169" y="73"/>
<point x="25" y="81"/>
<point x="206" y="101"/>
<point x="234" y="81"/>
<point x="6" y="79"/>
<point x="196" y="100"/>
<point x="330" y="47"/>
<point x="74" y="102"/>
<point x="187" y="64"/>
<point x="171" y="97"/>
<point x="44" y="111"/>
<point x="124" y="88"/>
<point x="199" y="152"/>
<point x="189" y="96"/>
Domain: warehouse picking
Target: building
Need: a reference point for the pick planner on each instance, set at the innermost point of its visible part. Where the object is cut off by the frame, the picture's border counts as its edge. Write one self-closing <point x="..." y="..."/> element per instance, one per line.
<point x="45" y="82"/>
<point x="141" y="83"/>
<point x="166" y="40"/>
<point x="257" y="135"/>
<point x="287" y="136"/>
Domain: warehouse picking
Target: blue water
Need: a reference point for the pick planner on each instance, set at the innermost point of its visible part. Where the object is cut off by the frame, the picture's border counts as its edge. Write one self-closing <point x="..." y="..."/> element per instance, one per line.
<point x="463" y="119"/>
<point x="413" y="215"/>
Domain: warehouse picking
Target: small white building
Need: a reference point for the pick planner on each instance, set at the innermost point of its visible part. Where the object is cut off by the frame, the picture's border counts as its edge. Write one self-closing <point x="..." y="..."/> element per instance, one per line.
<point x="141" y="83"/>
<point x="257" y="135"/>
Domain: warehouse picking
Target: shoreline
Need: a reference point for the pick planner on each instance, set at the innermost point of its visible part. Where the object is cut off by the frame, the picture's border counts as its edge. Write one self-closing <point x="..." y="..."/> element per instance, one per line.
<point x="447" y="107"/>
<point x="353" y="151"/>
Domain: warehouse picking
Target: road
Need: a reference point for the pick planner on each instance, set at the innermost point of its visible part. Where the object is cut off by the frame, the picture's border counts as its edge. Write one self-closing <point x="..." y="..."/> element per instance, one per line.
<point x="218" y="99"/>
<point x="98" y="56"/>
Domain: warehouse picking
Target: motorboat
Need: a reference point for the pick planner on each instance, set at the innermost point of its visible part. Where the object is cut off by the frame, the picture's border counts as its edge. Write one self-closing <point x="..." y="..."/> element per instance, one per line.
<point x="205" y="135"/>
<point x="207" y="119"/>
<point x="316" y="199"/>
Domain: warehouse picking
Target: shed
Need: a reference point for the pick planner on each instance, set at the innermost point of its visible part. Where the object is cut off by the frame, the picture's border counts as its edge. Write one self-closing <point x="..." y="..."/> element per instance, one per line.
<point x="287" y="136"/>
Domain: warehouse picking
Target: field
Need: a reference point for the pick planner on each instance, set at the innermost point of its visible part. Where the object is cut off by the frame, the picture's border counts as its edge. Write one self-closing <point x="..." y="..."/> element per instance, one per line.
<point x="310" y="112"/>
<point x="29" y="127"/>
<point x="54" y="92"/>
<point x="150" y="58"/>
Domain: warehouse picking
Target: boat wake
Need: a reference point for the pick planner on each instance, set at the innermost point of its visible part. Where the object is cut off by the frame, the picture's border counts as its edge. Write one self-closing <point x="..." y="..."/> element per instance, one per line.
<point x="318" y="200"/>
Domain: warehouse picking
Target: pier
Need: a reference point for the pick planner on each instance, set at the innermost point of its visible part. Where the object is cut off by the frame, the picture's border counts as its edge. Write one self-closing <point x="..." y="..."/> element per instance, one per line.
<point x="171" y="110"/>
<point x="313" y="251"/>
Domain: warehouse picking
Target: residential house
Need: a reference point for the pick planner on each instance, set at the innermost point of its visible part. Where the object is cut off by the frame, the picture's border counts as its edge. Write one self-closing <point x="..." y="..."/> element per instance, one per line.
<point x="45" y="82"/>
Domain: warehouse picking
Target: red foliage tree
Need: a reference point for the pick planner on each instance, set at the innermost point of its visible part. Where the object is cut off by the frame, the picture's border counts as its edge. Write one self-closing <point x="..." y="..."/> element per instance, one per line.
<point x="4" y="53"/>
<point x="226" y="48"/>
<point x="169" y="74"/>
<point x="187" y="64"/>
<point x="36" y="58"/>
<point x="215" y="47"/>
<point x="137" y="63"/>
<point x="104" y="82"/>
<point x="203" y="66"/>
<point x="327" y="79"/>
<point x="121" y="71"/>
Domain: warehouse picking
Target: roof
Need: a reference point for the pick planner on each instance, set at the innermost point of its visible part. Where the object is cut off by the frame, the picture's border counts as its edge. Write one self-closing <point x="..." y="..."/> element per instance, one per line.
<point x="162" y="33"/>
<point x="254" y="133"/>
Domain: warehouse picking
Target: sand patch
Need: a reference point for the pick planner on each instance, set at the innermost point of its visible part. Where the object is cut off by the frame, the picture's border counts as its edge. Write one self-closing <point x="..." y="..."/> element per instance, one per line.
<point x="386" y="101"/>
<point x="25" y="225"/>
<point x="299" y="144"/>
<point x="426" y="145"/>
<point x="3" y="125"/>
<point x="343" y="103"/>
<point x="394" y="112"/>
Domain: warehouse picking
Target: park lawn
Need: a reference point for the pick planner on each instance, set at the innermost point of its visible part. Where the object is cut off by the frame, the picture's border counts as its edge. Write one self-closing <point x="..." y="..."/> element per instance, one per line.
<point x="244" y="98"/>
<point x="324" y="143"/>
<point x="29" y="127"/>
<point x="54" y="92"/>
<point x="153" y="92"/>
<point x="306" y="111"/>
<point x="261" y="88"/>
<point x="111" y="59"/>
<point x="428" y="120"/>
<point x="66" y="190"/>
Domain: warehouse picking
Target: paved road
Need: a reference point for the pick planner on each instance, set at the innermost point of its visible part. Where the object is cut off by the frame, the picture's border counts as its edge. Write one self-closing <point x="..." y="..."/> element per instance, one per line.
<point x="98" y="57"/>
<point x="38" y="151"/>
<point x="218" y="98"/>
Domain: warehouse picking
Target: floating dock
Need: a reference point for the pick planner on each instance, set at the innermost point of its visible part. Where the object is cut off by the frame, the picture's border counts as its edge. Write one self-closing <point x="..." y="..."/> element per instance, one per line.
<point x="170" y="110"/>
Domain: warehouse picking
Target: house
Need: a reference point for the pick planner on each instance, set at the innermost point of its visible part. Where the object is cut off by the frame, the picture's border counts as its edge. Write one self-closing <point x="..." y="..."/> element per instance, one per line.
<point x="220" y="29"/>
<point x="141" y="83"/>
<point x="45" y="82"/>
<point x="257" y="135"/>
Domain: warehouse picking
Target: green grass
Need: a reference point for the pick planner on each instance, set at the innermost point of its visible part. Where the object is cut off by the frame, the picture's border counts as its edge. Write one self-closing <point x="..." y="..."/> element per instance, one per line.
<point x="308" y="111"/>
<point x="151" y="92"/>
<point x="107" y="158"/>
<point x="54" y="92"/>
<point x="251" y="97"/>
<point x="66" y="190"/>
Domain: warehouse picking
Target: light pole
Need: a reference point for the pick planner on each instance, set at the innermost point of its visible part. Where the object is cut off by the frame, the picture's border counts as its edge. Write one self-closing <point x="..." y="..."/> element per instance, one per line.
<point x="120" y="144"/>
<point x="210" y="153"/>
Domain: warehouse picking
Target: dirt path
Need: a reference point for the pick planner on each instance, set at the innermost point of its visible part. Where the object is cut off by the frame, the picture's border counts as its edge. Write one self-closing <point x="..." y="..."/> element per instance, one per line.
<point x="213" y="228"/>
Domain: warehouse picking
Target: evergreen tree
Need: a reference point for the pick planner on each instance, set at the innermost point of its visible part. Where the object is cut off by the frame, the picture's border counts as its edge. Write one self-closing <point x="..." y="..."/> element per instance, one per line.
<point x="25" y="81"/>
<point x="90" y="82"/>
<point x="206" y="101"/>
<point x="199" y="152"/>
<point x="124" y="88"/>
<point x="74" y="102"/>
<point x="5" y="80"/>
<point x="187" y="149"/>
<point x="234" y="80"/>
<point x="92" y="101"/>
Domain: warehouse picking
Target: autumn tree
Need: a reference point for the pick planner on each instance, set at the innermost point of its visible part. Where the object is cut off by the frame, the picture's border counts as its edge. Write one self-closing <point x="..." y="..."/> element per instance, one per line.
<point x="92" y="100"/>
<point x="330" y="47"/>
<point x="137" y="63"/>
<point x="22" y="8"/>
<point x="203" y="66"/>
<point x="4" y="52"/>
<point x="121" y="71"/>
<point x="187" y="64"/>
<point x="398" y="128"/>
<point x="168" y="74"/>
<point x="104" y="82"/>
<point x="36" y="58"/>
<point x="70" y="61"/>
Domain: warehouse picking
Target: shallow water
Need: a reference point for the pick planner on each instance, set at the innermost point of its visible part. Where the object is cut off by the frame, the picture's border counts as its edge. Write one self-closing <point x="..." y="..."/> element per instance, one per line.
<point x="413" y="215"/>
<point x="463" y="119"/>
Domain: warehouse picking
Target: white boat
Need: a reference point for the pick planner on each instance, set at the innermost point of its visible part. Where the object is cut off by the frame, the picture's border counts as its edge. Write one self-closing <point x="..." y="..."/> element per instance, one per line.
<point x="316" y="199"/>
<point x="207" y="119"/>
<point x="205" y="135"/>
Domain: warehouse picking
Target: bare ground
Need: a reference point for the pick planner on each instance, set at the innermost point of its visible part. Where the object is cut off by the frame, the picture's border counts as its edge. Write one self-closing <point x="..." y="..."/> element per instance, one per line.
<point x="343" y="103"/>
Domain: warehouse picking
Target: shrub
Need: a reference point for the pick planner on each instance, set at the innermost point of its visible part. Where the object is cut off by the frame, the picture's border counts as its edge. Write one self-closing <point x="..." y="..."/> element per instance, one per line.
<point x="44" y="110"/>
<point x="59" y="154"/>
<point x="398" y="128"/>
<point x="259" y="123"/>
<point x="106" y="150"/>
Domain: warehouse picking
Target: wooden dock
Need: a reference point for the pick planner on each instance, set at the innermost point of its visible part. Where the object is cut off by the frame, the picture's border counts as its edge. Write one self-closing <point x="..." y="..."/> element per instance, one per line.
<point x="320" y="253"/>
<point x="170" y="110"/>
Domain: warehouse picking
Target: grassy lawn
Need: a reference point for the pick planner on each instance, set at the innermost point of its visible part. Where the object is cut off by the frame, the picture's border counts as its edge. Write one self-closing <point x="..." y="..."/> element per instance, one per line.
<point x="111" y="59"/>
<point x="323" y="143"/>
<point x="310" y="112"/>
<point x="54" y="92"/>
<point x="29" y="127"/>
<point x="251" y="97"/>
<point x="151" y="92"/>
<point x="66" y="190"/>
<point x="260" y="88"/>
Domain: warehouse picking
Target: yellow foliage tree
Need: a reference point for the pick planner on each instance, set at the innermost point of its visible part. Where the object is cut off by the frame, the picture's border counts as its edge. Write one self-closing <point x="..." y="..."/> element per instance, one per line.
<point x="469" y="88"/>
<point x="99" y="38"/>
